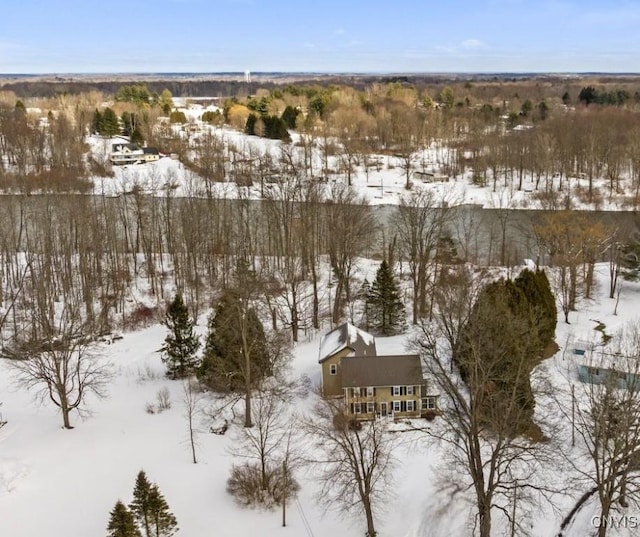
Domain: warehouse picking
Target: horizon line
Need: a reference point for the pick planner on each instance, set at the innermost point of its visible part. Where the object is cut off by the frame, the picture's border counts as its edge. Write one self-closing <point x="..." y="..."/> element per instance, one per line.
<point x="311" y="73"/>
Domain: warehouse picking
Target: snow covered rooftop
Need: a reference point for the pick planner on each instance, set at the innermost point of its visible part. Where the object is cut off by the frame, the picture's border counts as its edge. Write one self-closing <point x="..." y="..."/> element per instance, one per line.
<point x="347" y="335"/>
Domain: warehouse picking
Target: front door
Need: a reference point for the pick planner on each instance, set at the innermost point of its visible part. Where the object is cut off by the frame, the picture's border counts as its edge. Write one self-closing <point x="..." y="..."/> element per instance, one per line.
<point x="383" y="409"/>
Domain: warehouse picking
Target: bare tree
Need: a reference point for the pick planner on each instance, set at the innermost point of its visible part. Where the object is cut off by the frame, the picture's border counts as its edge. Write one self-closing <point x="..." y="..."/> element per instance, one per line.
<point x="562" y="234"/>
<point x="267" y="477"/>
<point x="419" y="223"/>
<point x="606" y="413"/>
<point x="267" y="440"/>
<point x="349" y="228"/>
<point x="353" y="461"/>
<point x="63" y="368"/>
<point x="192" y="407"/>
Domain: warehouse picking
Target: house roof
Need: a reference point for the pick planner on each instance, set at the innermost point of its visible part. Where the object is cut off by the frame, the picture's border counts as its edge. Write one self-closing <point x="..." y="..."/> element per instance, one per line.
<point x="150" y="151"/>
<point x="119" y="146"/>
<point x="347" y="335"/>
<point x="395" y="370"/>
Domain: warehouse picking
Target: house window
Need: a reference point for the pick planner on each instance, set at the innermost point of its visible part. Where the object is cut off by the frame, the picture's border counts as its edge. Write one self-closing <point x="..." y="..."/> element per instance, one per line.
<point x="410" y="407"/>
<point x="356" y="408"/>
<point x="356" y="392"/>
<point x="396" y="406"/>
<point x="371" y="408"/>
<point x="370" y="391"/>
<point x="333" y="369"/>
<point x="396" y="390"/>
<point x="429" y="403"/>
<point x="409" y="390"/>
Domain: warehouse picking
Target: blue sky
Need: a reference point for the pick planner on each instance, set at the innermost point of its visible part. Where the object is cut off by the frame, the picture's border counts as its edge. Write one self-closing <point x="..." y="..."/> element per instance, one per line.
<point x="84" y="36"/>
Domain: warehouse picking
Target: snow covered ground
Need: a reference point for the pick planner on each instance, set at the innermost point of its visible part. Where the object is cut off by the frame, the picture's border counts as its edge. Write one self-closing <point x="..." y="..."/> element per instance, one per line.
<point x="61" y="483"/>
<point x="384" y="184"/>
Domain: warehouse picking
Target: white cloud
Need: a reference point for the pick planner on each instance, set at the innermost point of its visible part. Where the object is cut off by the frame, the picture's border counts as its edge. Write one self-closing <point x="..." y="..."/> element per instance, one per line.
<point x="468" y="44"/>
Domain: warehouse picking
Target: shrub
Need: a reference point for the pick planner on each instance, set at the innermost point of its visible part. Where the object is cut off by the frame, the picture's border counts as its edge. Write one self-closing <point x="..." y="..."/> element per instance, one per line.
<point x="430" y="415"/>
<point x="177" y="117"/>
<point x="164" y="399"/>
<point x="141" y="317"/>
<point x="244" y="486"/>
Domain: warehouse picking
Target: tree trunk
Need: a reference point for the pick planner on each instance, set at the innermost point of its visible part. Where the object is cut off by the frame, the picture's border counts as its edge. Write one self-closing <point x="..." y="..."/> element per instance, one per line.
<point x="371" y="530"/>
<point x="484" y="514"/>
<point x="316" y="302"/>
<point x="247" y="407"/>
<point x="294" y="313"/>
<point x="65" y="414"/>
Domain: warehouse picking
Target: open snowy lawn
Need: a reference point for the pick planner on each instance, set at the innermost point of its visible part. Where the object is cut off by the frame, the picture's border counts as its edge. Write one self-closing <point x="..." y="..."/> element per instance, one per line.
<point x="64" y="483"/>
<point x="60" y="483"/>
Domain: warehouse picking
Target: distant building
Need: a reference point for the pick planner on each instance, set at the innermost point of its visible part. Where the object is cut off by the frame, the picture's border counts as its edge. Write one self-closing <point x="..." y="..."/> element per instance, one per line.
<point x="599" y="367"/>
<point x="127" y="153"/>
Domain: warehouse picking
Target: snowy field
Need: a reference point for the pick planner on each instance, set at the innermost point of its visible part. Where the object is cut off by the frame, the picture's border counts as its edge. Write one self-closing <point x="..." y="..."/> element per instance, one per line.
<point x="63" y="483"/>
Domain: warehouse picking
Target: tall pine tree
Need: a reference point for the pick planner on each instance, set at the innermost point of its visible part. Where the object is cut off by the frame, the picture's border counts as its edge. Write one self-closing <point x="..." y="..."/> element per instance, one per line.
<point x="385" y="310"/>
<point x="107" y="123"/>
<point x="122" y="523"/>
<point x="163" y="522"/>
<point x="150" y="510"/>
<point x="140" y="506"/>
<point x="234" y="330"/>
<point x="181" y="344"/>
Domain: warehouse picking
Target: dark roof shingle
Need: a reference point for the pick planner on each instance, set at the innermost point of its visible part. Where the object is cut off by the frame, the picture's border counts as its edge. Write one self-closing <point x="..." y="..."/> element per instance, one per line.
<point x="394" y="370"/>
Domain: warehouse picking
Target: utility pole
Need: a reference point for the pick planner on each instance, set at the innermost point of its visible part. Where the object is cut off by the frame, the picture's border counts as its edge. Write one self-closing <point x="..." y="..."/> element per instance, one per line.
<point x="573" y="416"/>
<point x="284" y="493"/>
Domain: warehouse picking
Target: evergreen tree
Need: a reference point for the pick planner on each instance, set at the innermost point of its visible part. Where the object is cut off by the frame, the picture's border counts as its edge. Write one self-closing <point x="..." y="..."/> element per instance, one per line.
<point x="250" y="125"/>
<point x="499" y="347"/>
<point x="385" y="310"/>
<point x="136" y="136"/>
<point x="96" y="122"/>
<point x="275" y="128"/>
<point x="537" y="290"/>
<point x="289" y="117"/>
<point x="588" y="95"/>
<point x="223" y="362"/>
<point x="136" y="93"/>
<point x="141" y="506"/>
<point x="177" y="116"/>
<point x="162" y="522"/>
<point x="108" y="124"/>
<point x="122" y="523"/>
<point x="181" y="344"/>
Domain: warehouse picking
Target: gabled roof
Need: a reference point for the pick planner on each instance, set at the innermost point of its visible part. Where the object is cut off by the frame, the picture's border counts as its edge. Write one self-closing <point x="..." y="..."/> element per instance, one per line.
<point x="119" y="146"/>
<point x="395" y="370"/>
<point x="347" y="335"/>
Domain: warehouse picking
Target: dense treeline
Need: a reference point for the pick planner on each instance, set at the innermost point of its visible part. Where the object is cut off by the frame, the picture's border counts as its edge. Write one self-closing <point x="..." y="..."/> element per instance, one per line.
<point x="96" y="254"/>
<point x="485" y="87"/>
<point x="90" y="253"/>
